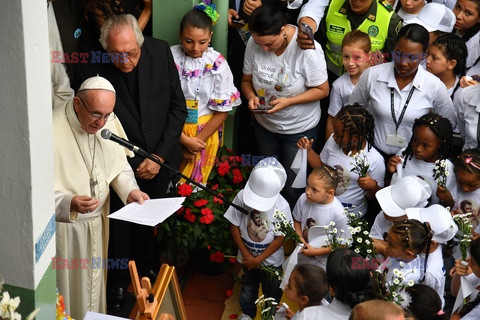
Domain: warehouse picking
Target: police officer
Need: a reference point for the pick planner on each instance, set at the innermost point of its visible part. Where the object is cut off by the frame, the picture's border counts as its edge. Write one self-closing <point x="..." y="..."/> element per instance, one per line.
<point x="375" y="18"/>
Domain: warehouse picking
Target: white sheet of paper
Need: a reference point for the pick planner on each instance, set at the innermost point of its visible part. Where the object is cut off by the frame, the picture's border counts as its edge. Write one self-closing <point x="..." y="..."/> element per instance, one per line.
<point x="299" y="166"/>
<point x="465" y="291"/>
<point x="99" y="316"/>
<point x="150" y="213"/>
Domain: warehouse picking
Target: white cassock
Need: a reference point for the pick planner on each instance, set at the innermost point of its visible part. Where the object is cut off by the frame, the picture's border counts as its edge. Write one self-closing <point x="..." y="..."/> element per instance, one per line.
<point x="85" y="236"/>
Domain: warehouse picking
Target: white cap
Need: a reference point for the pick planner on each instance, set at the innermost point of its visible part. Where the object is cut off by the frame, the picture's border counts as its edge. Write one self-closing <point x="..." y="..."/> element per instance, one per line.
<point x="97" y="83"/>
<point x="440" y="219"/>
<point x="435" y="16"/>
<point x="407" y="192"/>
<point x="264" y="184"/>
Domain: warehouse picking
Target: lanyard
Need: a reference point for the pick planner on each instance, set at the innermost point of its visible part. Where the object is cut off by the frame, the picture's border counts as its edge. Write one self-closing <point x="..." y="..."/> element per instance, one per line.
<point x="397" y="122"/>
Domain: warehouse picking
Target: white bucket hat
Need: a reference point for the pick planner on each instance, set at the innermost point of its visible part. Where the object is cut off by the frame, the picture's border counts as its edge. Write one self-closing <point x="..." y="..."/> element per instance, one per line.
<point x="264" y="184"/>
<point x="407" y="192"/>
<point x="435" y="16"/>
<point x="440" y="219"/>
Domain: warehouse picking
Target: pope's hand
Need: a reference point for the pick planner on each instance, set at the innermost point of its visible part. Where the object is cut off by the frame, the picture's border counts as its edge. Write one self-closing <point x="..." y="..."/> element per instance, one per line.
<point x="137" y="196"/>
<point x="84" y="204"/>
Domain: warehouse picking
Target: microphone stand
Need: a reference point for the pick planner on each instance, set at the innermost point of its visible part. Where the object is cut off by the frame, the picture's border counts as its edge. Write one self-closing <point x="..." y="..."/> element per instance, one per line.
<point x="147" y="155"/>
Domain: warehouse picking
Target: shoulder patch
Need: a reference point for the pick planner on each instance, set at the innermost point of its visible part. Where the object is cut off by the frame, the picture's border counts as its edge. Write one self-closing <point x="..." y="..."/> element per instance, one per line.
<point x="399" y="26"/>
<point x="387" y="4"/>
<point x="373" y="31"/>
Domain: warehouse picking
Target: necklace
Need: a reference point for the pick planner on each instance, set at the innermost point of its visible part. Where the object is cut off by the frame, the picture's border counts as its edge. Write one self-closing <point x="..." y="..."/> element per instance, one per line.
<point x="93" y="182"/>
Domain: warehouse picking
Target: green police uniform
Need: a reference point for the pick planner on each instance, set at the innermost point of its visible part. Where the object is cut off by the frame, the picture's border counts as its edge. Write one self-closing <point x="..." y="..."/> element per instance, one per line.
<point x="379" y="22"/>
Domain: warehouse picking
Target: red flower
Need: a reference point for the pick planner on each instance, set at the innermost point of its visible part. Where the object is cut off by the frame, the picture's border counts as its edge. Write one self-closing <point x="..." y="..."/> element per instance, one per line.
<point x="233" y="316"/>
<point x="239" y="159"/>
<point x="184" y="190"/>
<point x="206" y="211"/>
<point x="232" y="260"/>
<point x="223" y="168"/>
<point x="218" y="200"/>
<point x="217" y="257"/>
<point x="229" y="293"/>
<point x="180" y="211"/>
<point x="200" y="203"/>
<point x="207" y="219"/>
<point x="209" y="247"/>
<point x="237" y="176"/>
<point x="215" y="187"/>
<point x="189" y="216"/>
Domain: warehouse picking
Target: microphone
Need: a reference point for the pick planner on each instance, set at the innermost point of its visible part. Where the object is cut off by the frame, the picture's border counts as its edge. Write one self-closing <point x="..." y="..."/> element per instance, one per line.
<point x="108" y="135"/>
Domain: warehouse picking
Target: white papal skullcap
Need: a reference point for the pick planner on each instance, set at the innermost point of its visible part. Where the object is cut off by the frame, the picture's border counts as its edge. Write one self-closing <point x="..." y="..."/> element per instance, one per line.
<point x="97" y="83"/>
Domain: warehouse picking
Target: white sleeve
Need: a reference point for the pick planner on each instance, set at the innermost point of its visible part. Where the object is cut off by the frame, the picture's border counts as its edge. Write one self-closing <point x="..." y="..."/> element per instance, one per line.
<point x="124" y="183"/>
<point x="233" y="215"/>
<point x="335" y="99"/>
<point x="225" y="95"/>
<point x="315" y="67"/>
<point x="361" y="93"/>
<point x="249" y="57"/>
<point x="63" y="201"/>
<point x="377" y="169"/>
<point x="442" y="104"/>
<point x="314" y="9"/>
<point x="376" y="231"/>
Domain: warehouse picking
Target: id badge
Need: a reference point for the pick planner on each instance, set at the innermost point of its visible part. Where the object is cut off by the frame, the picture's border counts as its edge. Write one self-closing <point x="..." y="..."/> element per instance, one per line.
<point x="192" y="109"/>
<point x="396" y="141"/>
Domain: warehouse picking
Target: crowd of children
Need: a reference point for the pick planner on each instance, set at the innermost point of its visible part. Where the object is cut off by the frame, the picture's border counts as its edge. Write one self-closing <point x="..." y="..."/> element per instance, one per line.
<point x="389" y="140"/>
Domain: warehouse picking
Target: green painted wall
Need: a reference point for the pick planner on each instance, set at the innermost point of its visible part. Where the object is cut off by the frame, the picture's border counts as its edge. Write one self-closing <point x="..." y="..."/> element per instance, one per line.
<point x="44" y="297"/>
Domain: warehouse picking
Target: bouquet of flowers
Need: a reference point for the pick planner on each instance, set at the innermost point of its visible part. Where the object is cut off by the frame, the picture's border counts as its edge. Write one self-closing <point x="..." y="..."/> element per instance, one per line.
<point x="199" y="224"/>
<point x="282" y="225"/>
<point x="361" y="239"/>
<point x="395" y="289"/>
<point x="267" y="305"/>
<point x="333" y="240"/>
<point x="9" y="305"/>
<point x="464" y="234"/>
<point x="440" y="172"/>
<point x="360" y="163"/>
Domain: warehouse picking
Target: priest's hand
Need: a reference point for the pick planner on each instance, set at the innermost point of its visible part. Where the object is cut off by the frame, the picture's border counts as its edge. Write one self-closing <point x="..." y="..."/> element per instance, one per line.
<point x="137" y="196"/>
<point x="148" y="169"/>
<point x="84" y="204"/>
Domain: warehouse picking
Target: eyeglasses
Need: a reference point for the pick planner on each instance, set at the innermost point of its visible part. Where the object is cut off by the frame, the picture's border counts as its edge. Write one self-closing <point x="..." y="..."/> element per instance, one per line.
<point x="98" y="116"/>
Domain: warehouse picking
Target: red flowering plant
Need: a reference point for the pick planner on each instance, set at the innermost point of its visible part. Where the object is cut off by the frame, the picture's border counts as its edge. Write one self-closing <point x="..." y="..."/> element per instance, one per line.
<point x="199" y="224"/>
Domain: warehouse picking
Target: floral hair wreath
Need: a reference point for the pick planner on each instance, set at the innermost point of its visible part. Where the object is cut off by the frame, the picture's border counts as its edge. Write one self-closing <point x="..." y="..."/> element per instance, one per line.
<point x="209" y="9"/>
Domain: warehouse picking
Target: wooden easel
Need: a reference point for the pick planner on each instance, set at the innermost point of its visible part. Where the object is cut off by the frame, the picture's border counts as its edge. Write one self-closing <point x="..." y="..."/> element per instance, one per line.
<point x="149" y="300"/>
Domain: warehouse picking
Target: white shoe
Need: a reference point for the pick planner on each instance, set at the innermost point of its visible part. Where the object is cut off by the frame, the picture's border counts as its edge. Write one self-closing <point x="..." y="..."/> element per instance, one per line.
<point x="244" y="317"/>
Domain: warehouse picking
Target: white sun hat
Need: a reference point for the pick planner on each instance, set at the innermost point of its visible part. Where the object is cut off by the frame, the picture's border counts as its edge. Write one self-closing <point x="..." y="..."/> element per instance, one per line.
<point x="407" y="192"/>
<point x="435" y="16"/>
<point x="264" y="184"/>
<point x="440" y="220"/>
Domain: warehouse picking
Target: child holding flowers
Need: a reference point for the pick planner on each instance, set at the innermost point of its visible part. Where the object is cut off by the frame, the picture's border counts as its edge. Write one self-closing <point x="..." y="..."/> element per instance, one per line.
<point x="207" y="84"/>
<point x="426" y="156"/>
<point x="471" y="310"/>
<point x="467" y="172"/>
<point x="350" y="149"/>
<point x="319" y="204"/>
<point x="259" y="241"/>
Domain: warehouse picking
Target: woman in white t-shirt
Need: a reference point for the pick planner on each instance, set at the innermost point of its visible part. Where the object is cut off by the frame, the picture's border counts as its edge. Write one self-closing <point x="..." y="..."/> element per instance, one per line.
<point x="399" y="92"/>
<point x="283" y="85"/>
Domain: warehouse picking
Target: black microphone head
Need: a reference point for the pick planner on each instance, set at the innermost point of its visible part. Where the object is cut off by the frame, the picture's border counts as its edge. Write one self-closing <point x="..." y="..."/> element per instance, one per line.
<point x="106" y="134"/>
